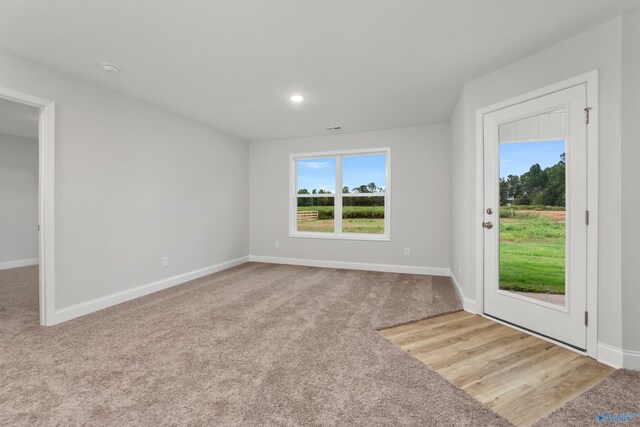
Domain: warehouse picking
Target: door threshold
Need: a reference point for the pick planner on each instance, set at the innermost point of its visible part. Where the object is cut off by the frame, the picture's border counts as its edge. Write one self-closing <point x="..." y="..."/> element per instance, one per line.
<point x="582" y="351"/>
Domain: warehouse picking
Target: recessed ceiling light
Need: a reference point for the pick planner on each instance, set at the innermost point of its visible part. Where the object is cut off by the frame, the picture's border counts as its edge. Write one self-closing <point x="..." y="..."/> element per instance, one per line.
<point x="297" y="99"/>
<point x="110" y="68"/>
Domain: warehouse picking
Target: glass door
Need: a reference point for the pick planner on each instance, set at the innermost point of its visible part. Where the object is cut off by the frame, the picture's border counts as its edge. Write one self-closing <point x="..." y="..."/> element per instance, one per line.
<point x="535" y="204"/>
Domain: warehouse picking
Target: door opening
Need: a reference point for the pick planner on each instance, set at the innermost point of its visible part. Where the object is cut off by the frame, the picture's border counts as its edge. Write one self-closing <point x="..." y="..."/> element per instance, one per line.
<point x="19" y="243"/>
<point x="27" y="224"/>
<point x="536" y="243"/>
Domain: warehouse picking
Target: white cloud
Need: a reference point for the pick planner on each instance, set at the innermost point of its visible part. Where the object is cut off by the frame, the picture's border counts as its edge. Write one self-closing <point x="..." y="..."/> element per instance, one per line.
<point x="315" y="164"/>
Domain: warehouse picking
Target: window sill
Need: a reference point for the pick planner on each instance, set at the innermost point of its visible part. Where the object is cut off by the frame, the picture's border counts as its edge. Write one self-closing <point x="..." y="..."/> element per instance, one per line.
<point x="333" y="236"/>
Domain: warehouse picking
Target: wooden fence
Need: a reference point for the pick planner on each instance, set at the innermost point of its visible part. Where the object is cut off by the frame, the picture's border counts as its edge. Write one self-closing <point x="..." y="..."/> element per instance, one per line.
<point x="307" y="215"/>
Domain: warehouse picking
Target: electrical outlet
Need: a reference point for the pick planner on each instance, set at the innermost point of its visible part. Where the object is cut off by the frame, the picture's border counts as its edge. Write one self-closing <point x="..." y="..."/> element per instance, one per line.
<point x="165" y="261"/>
<point x="463" y="203"/>
<point x="276" y="245"/>
<point x="407" y="251"/>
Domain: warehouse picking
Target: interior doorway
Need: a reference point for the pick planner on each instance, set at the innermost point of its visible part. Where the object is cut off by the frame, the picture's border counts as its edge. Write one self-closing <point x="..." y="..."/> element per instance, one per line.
<point x="537" y="243"/>
<point x="19" y="243"/>
<point x="27" y="219"/>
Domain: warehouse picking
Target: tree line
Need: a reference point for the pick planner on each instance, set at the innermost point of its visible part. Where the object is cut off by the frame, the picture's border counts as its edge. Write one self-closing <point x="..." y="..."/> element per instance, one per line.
<point x="370" y="188"/>
<point x="536" y="187"/>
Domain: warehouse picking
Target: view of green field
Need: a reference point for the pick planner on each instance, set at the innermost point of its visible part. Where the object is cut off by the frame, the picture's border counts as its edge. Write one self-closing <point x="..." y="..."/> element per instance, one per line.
<point x="532" y="249"/>
<point x="532" y="217"/>
<point x="356" y="219"/>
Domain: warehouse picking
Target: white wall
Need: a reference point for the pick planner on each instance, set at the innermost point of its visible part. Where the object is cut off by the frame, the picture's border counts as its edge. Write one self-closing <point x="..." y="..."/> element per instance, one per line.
<point x="134" y="183"/>
<point x="419" y="198"/>
<point x="630" y="180"/>
<point x="597" y="48"/>
<point x="460" y="251"/>
<point x="18" y="198"/>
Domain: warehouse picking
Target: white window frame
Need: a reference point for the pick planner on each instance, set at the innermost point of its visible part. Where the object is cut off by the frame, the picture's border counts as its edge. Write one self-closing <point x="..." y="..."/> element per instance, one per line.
<point x="338" y="195"/>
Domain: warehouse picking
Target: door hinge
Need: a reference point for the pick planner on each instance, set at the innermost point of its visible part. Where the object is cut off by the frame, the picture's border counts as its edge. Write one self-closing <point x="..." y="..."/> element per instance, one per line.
<point x="586" y="217"/>
<point x="586" y="318"/>
<point x="587" y="112"/>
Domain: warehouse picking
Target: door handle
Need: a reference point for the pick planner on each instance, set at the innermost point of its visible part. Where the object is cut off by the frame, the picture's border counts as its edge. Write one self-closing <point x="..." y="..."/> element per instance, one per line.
<point x="488" y="225"/>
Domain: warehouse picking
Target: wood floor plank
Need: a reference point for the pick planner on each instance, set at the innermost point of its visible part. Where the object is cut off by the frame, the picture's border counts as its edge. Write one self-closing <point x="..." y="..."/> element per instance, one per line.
<point x="519" y="376"/>
<point x="490" y="347"/>
<point x="495" y="384"/>
<point x="547" y="393"/>
<point x="453" y="345"/>
<point x="424" y="325"/>
<point x="462" y="323"/>
<point x="444" y="338"/>
<point x="466" y="372"/>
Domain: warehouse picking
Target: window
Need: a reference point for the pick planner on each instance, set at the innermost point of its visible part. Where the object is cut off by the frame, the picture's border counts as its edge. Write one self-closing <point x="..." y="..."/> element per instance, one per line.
<point x="341" y="195"/>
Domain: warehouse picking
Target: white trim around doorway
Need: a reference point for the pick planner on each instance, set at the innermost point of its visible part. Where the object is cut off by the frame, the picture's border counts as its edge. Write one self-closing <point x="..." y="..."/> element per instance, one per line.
<point x="46" y="178"/>
<point x="591" y="80"/>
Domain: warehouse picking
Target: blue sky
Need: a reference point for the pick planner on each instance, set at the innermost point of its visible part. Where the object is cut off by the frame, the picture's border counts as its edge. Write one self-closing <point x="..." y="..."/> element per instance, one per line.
<point x="317" y="173"/>
<point x="356" y="170"/>
<point x="516" y="159"/>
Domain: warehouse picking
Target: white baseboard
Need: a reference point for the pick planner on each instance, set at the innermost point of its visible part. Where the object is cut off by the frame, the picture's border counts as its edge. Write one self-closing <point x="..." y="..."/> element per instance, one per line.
<point x="19" y="263"/>
<point x="631" y="360"/>
<point x="387" y="268"/>
<point x="610" y="355"/>
<point x="617" y="357"/>
<point x="456" y="285"/>
<point x="91" y="306"/>
<point x="468" y="304"/>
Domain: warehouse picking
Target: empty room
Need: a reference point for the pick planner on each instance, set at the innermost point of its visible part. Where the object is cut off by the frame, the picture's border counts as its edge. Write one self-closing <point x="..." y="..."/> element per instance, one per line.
<point x="338" y="212"/>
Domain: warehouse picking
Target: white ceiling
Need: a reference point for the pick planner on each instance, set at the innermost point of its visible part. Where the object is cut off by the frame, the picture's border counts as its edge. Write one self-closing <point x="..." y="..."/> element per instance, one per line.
<point x="18" y="119"/>
<point x="362" y="64"/>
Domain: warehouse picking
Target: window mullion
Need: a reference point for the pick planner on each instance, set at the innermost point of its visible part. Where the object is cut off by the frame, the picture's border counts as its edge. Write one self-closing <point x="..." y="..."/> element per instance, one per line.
<point x="293" y="209"/>
<point x="337" y="208"/>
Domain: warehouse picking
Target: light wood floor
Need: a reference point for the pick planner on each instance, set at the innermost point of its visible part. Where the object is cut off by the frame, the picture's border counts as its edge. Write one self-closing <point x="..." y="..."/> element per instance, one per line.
<point x="519" y="376"/>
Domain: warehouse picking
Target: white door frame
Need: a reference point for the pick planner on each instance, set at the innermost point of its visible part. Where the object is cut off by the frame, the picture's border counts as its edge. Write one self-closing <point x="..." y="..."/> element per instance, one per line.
<point x="591" y="80"/>
<point x="46" y="176"/>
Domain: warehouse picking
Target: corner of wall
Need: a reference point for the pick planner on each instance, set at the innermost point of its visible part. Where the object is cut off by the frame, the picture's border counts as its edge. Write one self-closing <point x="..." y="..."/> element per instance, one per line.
<point x="629" y="176"/>
<point x="459" y="201"/>
<point x="468" y="304"/>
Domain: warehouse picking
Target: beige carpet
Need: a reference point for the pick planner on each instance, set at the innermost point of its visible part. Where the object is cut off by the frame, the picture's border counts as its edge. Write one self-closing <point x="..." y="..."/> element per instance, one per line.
<point x="255" y="345"/>
<point x="18" y="301"/>
<point x="613" y="398"/>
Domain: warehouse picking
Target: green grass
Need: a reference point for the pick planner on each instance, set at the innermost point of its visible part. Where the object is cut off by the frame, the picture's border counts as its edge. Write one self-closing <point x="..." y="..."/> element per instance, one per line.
<point x="533" y="208"/>
<point x="320" y="226"/>
<point x="356" y="225"/>
<point x="326" y="212"/>
<point x="532" y="228"/>
<point x="360" y="225"/>
<point x="356" y="219"/>
<point x="532" y="254"/>
<point x="532" y="267"/>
